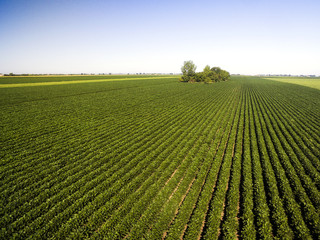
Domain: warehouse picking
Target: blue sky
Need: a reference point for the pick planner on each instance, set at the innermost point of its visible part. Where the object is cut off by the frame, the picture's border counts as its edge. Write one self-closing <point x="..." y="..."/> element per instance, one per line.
<point x="122" y="36"/>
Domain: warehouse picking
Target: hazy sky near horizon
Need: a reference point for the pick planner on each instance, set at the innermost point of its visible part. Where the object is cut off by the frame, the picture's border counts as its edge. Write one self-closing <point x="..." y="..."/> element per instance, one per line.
<point x="123" y="36"/>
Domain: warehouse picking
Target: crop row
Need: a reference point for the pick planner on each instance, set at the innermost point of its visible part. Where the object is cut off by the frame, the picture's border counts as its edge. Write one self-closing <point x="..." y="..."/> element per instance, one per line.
<point x="67" y="192"/>
<point x="161" y="160"/>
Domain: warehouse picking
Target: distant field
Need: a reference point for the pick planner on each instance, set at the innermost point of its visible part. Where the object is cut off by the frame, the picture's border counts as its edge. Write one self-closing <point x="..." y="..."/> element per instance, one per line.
<point x="9" y="82"/>
<point x="308" y="82"/>
<point x="159" y="159"/>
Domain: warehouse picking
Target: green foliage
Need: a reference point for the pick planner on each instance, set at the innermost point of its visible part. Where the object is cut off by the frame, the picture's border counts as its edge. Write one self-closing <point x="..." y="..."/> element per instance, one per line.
<point x="313" y="82"/>
<point x="153" y="159"/>
<point x="208" y="75"/>
<point x="188" y="70"/>
<point x="207" y="70"/>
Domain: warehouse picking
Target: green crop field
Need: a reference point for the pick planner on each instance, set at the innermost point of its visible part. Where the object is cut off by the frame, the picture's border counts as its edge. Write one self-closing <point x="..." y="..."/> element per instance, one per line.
<point x="154" y="158"/>
<point x="304" y="81"/>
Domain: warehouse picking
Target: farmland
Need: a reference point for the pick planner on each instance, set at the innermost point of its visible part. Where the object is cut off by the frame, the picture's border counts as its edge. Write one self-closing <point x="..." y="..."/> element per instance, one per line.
<point x="154" y="158"/>
<point x="304" y="81"/>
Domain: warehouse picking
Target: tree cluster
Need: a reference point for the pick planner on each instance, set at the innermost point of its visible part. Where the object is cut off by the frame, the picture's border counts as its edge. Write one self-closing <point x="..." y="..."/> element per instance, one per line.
<point x="208" y="75"/>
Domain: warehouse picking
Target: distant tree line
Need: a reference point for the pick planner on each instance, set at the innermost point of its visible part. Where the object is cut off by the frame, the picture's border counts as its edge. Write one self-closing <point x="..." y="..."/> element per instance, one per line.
<point x="208" y="75"/>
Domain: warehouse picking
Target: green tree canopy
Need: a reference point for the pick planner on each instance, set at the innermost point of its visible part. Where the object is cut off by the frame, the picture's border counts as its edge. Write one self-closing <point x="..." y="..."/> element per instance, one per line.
<point x="188" y="70"/>
<point x="207" y="70"/>
<point x="208" y="75"/>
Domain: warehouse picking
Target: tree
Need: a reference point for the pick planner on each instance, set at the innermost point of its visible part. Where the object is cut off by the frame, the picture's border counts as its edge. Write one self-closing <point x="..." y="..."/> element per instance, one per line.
<point x="225" y="75"/>
<point x="208" y="75"/>
<point x="188" y="71"/>
<point x="200" y="77"/>
<point x="207" y="70"/>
